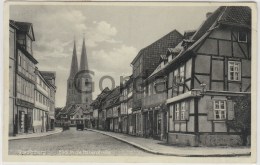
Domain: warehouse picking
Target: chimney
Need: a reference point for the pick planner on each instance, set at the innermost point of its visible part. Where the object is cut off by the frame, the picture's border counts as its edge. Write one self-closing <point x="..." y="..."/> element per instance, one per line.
<point x="208" y="14"/>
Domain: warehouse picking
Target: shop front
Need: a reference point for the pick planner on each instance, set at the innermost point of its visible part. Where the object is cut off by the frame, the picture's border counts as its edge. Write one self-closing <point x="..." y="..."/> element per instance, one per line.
<point x="155" y="123"/>
<point x="24" y="118"/>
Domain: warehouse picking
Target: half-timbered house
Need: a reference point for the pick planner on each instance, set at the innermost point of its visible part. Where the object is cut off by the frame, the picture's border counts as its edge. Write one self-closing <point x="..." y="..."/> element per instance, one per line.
<point x="205" y="72"/>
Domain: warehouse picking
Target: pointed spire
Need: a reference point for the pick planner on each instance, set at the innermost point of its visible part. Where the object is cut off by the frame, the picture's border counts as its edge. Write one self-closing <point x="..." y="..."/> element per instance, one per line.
<point x="74" y="62"/>
<point x="83" y="58"/>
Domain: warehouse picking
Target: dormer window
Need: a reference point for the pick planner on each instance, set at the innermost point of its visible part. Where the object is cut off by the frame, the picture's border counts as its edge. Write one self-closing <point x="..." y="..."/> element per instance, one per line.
<point x="242" y="37"/>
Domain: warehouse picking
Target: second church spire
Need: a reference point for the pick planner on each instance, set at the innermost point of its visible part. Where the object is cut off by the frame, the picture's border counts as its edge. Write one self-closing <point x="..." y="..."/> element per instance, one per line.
<point x="83" y="58"/>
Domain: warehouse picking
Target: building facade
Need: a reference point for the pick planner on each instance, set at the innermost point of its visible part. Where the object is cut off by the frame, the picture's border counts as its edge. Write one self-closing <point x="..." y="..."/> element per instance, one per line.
<point x="185" y="91"/>
<point x="42" y="103"/>
<point x="22" y="66"/>
<point x="50" y="76"/>
<point x="143" y="65"/>
<point x="154" y="109"/>
<point x="203" y="78"/>
<point x="112" y="108"/>
<point x="29" y="91"/>
<point x="12" y="76"/>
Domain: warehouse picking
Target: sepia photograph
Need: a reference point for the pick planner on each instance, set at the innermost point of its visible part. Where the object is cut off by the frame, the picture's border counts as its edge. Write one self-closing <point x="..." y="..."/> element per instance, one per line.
<point x="142" y="80"/>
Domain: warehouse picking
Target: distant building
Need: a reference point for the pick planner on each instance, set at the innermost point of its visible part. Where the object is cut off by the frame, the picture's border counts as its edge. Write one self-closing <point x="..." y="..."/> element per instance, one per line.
<point x="112" y="109"/>
<point x="97" y="106"/>
<point x="22" y="77"/>
<point x="71" y="114"/>
<point x="50" y="76"/>
<point x="126" y="106"/>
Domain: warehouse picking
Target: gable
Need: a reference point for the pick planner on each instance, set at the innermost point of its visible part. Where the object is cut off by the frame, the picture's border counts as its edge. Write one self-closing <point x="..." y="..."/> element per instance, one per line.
<point x="30" y="33"/>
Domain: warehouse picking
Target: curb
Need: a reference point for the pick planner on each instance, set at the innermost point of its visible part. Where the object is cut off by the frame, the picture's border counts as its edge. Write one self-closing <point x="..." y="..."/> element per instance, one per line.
<point x="19" y="138"/>
<point x="170" y="154"/>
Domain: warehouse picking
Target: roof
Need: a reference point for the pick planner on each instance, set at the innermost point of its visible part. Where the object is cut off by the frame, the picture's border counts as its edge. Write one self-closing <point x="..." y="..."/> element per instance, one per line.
<point x="70" y="109"/>
<point x="236" y="15"/>
<point x="226" y="15"/>
<point x="102" y="95"/>
<point x="25" y="27"/>
<point x="188" y="33"/>
<point x="83" y="58"/>
<point x="12" y="23"/>
<point x="49" y="74"/>
<point x="207" y="23"/>
<point x="113" y="97"/>
<point x="74" y="63"/>
<point x="231" y="15"/>
<point x="159" y="46"/>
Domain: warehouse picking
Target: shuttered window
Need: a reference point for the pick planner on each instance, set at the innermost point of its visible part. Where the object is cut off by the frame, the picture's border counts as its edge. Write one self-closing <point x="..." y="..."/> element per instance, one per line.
<point x="220" y="109"/>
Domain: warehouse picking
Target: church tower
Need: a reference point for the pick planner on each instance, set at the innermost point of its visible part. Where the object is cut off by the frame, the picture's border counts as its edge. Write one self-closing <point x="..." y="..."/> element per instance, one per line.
<point x="72" y="93"/>
<point x="85" y="79"/>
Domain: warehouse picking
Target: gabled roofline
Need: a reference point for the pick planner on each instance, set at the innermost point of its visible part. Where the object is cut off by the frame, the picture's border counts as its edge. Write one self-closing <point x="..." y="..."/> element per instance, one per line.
<point x="143" y="49"/>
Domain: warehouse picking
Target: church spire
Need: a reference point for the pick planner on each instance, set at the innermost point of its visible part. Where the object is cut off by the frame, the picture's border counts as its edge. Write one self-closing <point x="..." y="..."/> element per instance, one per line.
<point x="74" y="62"/>
<point x="83" y="58"/>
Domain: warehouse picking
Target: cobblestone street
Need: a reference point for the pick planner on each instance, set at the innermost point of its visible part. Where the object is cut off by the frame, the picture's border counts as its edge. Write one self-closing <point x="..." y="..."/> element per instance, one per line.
<point x="73" y="142"/>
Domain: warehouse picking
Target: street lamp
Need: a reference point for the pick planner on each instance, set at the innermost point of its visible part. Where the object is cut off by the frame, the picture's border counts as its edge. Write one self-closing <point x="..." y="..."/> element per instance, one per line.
<point x="203" y="85"/>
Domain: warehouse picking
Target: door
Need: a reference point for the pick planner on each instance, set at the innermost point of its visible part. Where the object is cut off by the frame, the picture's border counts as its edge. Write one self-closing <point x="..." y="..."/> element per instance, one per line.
<point x="165" y="121"/>
<point x="21" y="122"/>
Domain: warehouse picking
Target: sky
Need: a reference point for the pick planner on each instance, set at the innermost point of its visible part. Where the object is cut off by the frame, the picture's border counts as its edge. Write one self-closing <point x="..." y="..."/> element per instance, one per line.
<point x="114" y="35"/>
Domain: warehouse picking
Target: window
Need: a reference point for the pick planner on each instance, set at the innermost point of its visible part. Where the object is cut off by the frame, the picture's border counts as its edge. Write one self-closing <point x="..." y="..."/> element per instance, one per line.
<point x="242" y="37"/>
<point x="175" y="78"/>
<point x="177" y="111"/>
<point x="181" y="74"/>
<point x="81" y="116"/>
<point x="183" y="111"/>
<point x="77" y="116"/>
<point x="220" y="109"/>
<point x="234" y="71"/>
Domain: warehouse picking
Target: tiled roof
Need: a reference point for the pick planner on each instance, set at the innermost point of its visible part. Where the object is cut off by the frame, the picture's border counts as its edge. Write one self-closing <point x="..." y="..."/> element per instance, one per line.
<point x="25" y="27"/>
<point x="207" y="23"/>
<point x="236" y="15"/>
<point x="159" y="47"/>
<point x="188" y="34"/>
<point x="232" y="15"/>
<point x="49" y="74"/>
<point x="112" y="97"/>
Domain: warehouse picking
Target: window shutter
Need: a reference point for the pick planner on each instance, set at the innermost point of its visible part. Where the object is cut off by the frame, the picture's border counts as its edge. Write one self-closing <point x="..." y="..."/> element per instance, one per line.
<point x="187" y="110"/>
<point x="210" y="110"/>
<point x="230" y="107"/>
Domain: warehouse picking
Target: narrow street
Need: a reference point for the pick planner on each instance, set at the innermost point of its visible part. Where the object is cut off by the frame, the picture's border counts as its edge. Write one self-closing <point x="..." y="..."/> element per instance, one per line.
<point x="73" y="142"/>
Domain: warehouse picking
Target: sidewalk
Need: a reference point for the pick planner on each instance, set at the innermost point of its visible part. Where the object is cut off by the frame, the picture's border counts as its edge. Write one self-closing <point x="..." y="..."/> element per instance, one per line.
<point x="162" y="148"/>
<point x="33" y="135"/>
